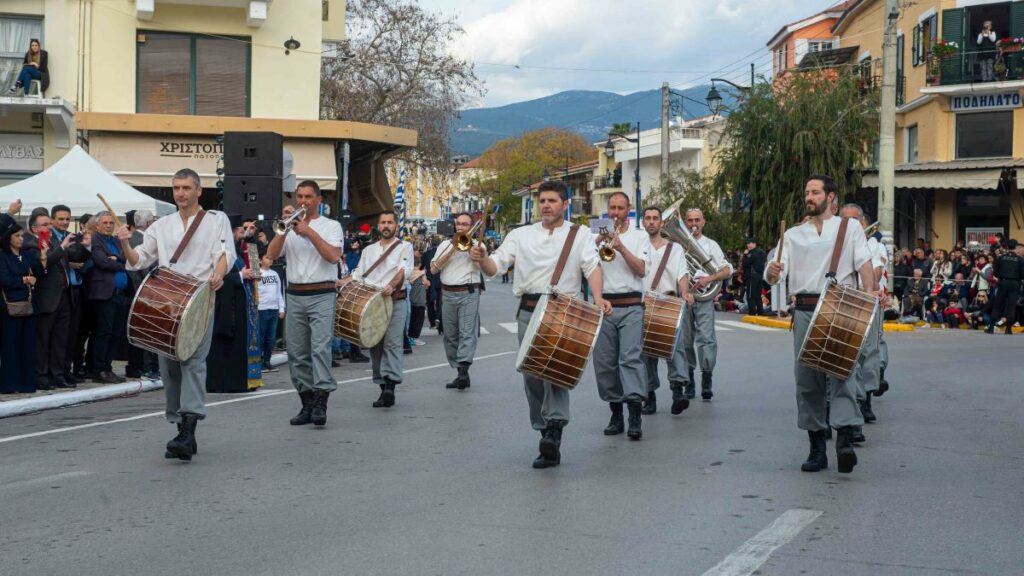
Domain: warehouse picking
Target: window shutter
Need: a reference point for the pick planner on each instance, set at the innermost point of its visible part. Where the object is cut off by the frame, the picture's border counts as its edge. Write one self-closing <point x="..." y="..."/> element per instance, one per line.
<point x="165" y="79"/>
<point x="953" y="31"/>
<point x="1017" y="19"/>
<point x="900" y="74"/>
<point x="221" y="69"/>
<point x="915" y="52"/>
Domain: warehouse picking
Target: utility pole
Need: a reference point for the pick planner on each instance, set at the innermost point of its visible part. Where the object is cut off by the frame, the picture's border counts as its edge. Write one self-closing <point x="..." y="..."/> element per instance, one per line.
<point x="887" y="135"/>
<point x="664" y="130"/>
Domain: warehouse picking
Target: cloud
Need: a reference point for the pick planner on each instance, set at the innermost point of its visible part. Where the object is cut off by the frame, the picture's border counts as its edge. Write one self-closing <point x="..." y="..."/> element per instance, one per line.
<point x="684" y="42"/>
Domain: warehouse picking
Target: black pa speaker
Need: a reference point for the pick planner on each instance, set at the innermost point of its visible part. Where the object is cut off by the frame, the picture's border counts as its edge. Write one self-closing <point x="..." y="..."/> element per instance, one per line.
<point x="253" y="154"/>
<point x="256" y="197"/>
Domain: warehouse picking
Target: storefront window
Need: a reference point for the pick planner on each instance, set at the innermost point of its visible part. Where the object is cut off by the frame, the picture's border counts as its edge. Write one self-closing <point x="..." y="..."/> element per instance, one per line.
<point x="984" y="135"/>
<point x="190" y="74"/>
<point x="15" y="34"/>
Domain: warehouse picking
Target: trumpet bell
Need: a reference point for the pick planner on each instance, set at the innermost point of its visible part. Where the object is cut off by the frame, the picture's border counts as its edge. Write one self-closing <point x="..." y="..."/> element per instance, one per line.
<point x="607" y="253"/>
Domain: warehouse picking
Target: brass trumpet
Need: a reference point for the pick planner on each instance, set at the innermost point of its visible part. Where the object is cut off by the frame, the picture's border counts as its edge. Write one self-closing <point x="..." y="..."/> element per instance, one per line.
<point x="604" y="249"/>
<point x="282" y="227"/>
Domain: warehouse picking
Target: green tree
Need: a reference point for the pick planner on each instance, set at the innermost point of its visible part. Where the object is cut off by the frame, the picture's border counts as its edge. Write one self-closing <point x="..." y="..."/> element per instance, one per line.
<point x="805" y="123"/>
<point x="699" y="191"/>
<point x="622" y="128"/>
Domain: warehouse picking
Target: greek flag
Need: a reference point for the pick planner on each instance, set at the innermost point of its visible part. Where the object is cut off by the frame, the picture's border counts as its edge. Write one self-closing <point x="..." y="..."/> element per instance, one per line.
<point x="400" y="192"/>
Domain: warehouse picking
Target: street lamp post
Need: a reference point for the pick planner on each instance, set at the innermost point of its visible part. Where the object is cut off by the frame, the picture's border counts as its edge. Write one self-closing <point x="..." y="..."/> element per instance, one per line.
<point x="714" y="101"/>
<point x="609" y="150"/>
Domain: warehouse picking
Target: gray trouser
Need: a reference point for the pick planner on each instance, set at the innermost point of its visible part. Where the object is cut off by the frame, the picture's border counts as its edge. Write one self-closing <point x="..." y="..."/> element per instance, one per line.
<point x="308" y="328"/>
<point x="869" y="363"/>
<point x="461" y="320"/>
<point x="699" y="336"/>
<point x="185" y="382"/>
<point x="677" y="374"/>
<point x="548" y="403"/>
<point x="386" y="356"/>
<point x="815" y="390"/>
<point x="617" y="362"/>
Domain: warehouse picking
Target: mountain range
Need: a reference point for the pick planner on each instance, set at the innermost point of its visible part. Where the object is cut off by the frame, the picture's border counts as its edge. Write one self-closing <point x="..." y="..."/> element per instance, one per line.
<point x="589" y="112"/>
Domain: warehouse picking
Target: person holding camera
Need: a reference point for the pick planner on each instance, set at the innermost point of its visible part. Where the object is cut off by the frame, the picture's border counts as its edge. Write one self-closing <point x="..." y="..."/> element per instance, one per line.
<point x="987" y="51"/>
<point x="77" y="255"/>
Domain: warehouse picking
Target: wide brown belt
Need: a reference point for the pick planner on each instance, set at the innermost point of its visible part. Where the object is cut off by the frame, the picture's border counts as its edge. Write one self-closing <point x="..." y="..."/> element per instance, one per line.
<point x="313" y="287"/>
<point x="461" y="288"/>
<point x="398" y="295"/>
<point x="806" y="302"/>
<point x="625" y="299"/>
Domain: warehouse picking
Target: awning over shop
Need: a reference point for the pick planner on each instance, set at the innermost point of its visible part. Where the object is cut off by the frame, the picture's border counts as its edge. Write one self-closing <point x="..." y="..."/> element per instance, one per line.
<point x="953" y="175"/>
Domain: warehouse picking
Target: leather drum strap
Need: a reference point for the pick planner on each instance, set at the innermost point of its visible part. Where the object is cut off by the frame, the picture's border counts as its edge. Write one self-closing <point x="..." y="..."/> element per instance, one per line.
<point x="382" y="258"/>
<point x="661" y="267"/>
<point x="188" y="236"/>
<point x="837" y="252"/>
<point x="564" y="256"/>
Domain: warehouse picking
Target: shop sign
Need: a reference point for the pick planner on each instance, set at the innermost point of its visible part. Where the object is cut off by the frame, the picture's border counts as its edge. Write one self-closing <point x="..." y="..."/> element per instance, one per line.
<point x="21" y="152"/>
<point x="977" y="102"/>
<point x="195" y="150"/>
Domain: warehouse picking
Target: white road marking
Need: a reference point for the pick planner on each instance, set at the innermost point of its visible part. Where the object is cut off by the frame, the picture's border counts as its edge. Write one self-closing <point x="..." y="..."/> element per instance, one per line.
<point x="755" y="552"/>
<point x="254" y="396"/>
<point x="721" y="328"/>
<point x="484" y="331"/>
<point x="512" y="327"/>
<point x="45" y="479"/>
<point x="745" y="326"/>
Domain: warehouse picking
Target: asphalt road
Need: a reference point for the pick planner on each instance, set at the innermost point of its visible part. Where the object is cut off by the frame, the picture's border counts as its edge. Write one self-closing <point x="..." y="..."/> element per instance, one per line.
<point x="442" y="484"/>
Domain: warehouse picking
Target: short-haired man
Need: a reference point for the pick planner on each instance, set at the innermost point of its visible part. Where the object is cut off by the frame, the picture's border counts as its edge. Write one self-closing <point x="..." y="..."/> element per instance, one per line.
<point x="53" y="307"/>
<point x="312" y="249"/>
<point x="699" y="339"/>
<point x="108" y="296"/>
<point x="75" y="255"/>
<point x="461" y="286"/>
<point x="385" y="265"/>
<point x="535" y="250"/>
<point x="204" y="254"/>
<point x="667" y="274"/>
<point x="807" y="251"/>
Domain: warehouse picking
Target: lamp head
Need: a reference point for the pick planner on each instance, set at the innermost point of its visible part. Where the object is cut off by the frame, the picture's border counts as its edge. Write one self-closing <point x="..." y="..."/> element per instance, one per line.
<point x="291" y="44"/>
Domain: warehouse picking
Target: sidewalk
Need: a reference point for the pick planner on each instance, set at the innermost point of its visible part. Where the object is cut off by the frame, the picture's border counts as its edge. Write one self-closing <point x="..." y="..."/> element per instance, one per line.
<point x="88" y="392"/>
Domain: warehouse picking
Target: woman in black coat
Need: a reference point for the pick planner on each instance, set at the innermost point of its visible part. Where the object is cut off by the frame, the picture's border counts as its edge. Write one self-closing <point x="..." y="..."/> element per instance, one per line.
<point x="35" y="66"/>
<point x="18" y="273"/>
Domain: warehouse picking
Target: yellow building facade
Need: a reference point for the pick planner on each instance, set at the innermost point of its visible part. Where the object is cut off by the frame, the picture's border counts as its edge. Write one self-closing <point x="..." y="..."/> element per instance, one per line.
<point x="959" y="127"/>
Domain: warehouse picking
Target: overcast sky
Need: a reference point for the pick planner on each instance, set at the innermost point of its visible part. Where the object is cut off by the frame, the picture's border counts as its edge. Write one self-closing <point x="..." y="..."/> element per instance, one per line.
<point x="641" y="42"/>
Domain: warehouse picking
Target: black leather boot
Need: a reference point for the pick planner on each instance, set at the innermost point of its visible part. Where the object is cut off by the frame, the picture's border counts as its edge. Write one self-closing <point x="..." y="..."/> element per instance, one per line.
<point x="454" y="384"/>
<point x="195" y="448"/>
<point x="651" y="405"/>
<point x="679" y="401"/>
<point x="634" y="432"/>
<point x="184" y="444"/>
<point x="883" y="385"/>
<point x="705" y="386"/>
<point x="389" y="393"/>
<point x="691" y="387"/>
<point x="379" y="402"/>
<point x="550" y="447"/>
<point x="615" y="425"/>
<point x="817" y="459"/>
<point x="857" y="435"/>
<point x="845" y="455"/>
<point x="319" y="412"/>
<point x="303" y="417"/>
<point x="463" y="375"/>
<point x="865" y="409"/>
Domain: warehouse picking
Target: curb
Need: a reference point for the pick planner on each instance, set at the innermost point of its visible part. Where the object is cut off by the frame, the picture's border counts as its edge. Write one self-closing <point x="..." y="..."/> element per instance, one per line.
<point x="74" y="397"/>
<point x="784" y="324"/>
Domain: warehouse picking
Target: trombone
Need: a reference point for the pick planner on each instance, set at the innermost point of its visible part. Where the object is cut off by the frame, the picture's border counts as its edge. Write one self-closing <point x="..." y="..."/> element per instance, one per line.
<point x="282" y="227"/>
<point x="463" y="241"/>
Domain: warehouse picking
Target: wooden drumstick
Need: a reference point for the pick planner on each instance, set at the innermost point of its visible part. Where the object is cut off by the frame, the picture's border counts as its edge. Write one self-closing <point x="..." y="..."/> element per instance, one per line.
<point x="782" y="238"/>
<point x="117" y="221"/>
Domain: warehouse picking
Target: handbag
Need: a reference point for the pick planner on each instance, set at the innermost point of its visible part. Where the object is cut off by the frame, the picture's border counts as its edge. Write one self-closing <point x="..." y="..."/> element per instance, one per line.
<point x="20" y="309"/>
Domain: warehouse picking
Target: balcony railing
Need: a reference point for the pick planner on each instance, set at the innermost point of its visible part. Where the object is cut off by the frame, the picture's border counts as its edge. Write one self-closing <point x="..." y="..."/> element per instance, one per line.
<point x="607" y="182"/>
<point x="967" y="68"/>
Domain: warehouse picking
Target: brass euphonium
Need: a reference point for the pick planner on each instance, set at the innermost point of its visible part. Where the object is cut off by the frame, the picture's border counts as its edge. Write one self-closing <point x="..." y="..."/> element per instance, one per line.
<point x="696" y="258"/>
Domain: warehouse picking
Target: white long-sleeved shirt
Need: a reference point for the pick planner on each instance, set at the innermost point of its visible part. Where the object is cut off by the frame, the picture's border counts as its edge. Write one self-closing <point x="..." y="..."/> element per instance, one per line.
<point x="618" y="276"/>
<point x="401" y="258"/>
<point x="535" y="250"/>
<point x="806" y="255"/>
<point x="991" y="36"/>
<point x="715" y="251"/>
<point x="460" y="269"/>
<point x="271" y="291"/>
<point x="675" y="269"/>
<point x="212" y="238"/>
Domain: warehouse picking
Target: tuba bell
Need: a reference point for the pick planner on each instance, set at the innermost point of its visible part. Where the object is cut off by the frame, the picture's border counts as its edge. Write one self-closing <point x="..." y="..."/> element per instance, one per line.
<point x="696" y="258"/>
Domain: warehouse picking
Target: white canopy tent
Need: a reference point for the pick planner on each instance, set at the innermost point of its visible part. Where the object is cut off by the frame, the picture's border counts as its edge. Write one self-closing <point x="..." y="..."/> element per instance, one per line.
<point x="74" y="181"/>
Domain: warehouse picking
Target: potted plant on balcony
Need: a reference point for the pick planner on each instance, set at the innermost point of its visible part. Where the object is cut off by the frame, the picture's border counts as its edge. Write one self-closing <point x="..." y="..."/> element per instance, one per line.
<point x="1010" y="45"/>
<point x="941" y="50"/>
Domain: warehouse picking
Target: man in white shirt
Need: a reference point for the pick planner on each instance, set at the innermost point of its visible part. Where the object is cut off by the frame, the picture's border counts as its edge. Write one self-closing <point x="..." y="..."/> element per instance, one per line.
<point x="806" y="255"/>
<point x="670" y="278"/>
<point x="535" y="250"/>
<point x="618" y="365"/>
<point x="206" y="256"/>
<point x="699" y="338"/>
<point x="311" y="249"/>
<point x="461" y="285"/>
<point x="385" y="265"/>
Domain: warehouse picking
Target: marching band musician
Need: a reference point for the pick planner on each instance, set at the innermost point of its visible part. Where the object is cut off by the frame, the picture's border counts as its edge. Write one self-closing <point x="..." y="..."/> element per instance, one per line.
<point x="535" y="251"/>
<point x="460" y="300"/>
<point x="207" y="246"/>
<point x="673" y="282"/>
<point x="312" y="248"/>
<point x="386" y="264"/>
<point x="699" y="337"/>
<point x="806" y="255"/>
<point x="618" y="365"/>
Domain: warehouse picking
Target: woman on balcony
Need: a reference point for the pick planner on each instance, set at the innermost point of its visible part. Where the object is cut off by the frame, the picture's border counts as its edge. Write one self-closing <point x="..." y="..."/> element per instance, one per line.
<point x="33" y="67"/>
<point x="987" y="52"/>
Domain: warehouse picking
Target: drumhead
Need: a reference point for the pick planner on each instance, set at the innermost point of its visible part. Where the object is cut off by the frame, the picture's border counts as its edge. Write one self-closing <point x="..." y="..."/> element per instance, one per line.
<point x="194" y="322"/>
<point x="531" y="330"/>
<point x="373" y="323"/>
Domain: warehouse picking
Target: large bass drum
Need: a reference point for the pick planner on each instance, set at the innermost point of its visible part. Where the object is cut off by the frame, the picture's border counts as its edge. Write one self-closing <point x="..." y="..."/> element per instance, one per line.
<point x="559" y="340"/>
<point x="839" y="327"/>
<point x="170" y="314"/>
<point x="663" y="321"/>
<point x="362" y="314"/>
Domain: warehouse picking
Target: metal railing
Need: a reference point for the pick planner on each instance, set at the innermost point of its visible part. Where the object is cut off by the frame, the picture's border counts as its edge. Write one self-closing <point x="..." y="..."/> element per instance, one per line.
<point x="966" y="67"/>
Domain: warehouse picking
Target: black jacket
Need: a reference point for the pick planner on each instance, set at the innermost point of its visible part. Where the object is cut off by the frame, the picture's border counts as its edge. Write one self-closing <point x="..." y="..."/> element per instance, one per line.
<point x="51" y="285"/>
<point x="754" y="263"/>
<point x="44" y="67"/>
<point x="1008" y="268"/>
<point x="101" y="281"/>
